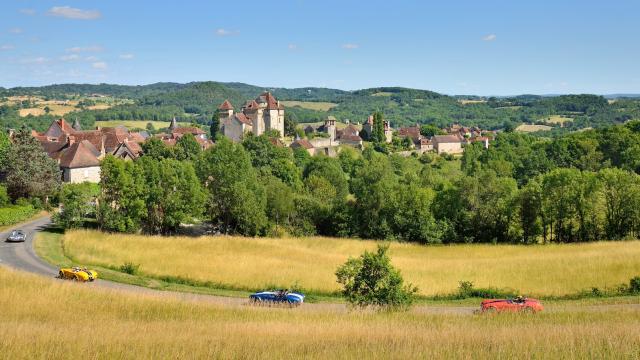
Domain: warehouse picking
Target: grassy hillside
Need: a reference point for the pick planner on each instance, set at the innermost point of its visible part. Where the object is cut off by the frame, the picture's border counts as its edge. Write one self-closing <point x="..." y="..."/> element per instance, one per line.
<point x="253" y="263"/>
<point x="48" y="318"/>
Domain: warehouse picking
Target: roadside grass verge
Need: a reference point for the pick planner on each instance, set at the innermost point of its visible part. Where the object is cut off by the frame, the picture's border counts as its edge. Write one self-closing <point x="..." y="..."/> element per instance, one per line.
<point x="56" y="319"/>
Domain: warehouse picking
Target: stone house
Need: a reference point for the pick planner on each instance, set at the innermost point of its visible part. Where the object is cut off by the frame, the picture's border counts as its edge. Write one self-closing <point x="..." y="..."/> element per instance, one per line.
<point x="78" y="152"/>
<point x="450" y="144"/>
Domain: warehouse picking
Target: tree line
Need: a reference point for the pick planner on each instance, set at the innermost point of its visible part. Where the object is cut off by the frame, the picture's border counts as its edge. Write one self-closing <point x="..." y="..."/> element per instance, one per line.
<point x="523" y="189"/>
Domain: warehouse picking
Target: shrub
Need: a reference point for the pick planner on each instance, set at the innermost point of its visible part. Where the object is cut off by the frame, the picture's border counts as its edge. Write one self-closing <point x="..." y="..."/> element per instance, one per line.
<point x="466" y="289"/>
<point x="371" y="280"/>
<point x="130" y="268"/>
<point x="4" y="197"/>
<point x="15" y="214"/>
<point x="634" y="285"/>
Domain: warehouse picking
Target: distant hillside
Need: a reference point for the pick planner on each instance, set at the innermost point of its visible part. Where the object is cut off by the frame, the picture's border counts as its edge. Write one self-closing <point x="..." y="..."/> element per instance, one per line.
<point x="197" y="101"/>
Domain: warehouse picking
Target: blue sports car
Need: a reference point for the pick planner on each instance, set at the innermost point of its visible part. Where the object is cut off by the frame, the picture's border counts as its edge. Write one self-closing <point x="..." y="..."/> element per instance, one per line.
<point x="277" y="297"/>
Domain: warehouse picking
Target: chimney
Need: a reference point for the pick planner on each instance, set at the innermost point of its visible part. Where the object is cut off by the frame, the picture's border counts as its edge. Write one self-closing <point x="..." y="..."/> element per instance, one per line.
<point x="71" y="140"/>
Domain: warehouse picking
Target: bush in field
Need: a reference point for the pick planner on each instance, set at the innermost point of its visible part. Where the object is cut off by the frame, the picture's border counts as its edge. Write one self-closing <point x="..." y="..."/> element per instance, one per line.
<point x="634" y="285"/>
<point x="371" y="280"/>
<point x="130" y="268"/>
<point x="15" y="214"/>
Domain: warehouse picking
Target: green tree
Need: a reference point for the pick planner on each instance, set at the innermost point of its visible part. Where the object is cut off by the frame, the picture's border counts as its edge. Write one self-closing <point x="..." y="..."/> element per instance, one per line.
<point x="621" y="193"/>
<point x="155" y="148"/>
<point x="214" y="125"/>
<point x="30" y="172"/>
<point x="377" y="133"/>
<point x="371" y="280"/>
<point x="5" y="146"/>
<point x="187" y="148"/>
<point x="290" y="124"/>
<point x="78" y="203"/>
<point x="172" y="194"/>
<point x="121" y="205"/>
<point x="429" y="130"/>
<point x="237" y="201"/>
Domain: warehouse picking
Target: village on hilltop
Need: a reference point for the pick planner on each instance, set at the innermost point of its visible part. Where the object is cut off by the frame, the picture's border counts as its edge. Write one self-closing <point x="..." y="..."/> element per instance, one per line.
<point x="79" y="152"/>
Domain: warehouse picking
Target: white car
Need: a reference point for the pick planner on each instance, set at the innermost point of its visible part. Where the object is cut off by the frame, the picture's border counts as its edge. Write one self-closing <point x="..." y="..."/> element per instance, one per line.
<point x="17" y="236"/>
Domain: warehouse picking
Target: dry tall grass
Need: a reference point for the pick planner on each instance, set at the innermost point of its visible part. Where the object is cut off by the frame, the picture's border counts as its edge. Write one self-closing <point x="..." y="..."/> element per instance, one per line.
<point x="250" y="263"/>
<point x="51" y="319"/>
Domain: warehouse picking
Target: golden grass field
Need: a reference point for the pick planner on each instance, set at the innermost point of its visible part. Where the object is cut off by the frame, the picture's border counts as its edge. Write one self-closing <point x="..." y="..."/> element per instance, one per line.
<point x="557" y="119"/>
<point x="53" y="319"/>
<point x="253" y="263"/>
<point x="467" y="101"/>
<point x="532" y="128"/>
<point x="311" y="105"/>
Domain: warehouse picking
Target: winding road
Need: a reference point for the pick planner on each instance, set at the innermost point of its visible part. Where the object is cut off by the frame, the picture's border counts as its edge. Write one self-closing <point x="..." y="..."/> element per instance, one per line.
<point x="22" y="256"/>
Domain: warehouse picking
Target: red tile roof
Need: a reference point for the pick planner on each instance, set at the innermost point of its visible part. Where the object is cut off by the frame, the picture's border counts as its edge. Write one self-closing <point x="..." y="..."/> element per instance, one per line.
<point x="243" y="119"/>
<point x="303" y="143"/>
<point x="446" y="139"/>
<point x="188" y="130"/>
<point x="226" y="105"/>
<point x="412" y="131"/>
<point x="80" y="154"/>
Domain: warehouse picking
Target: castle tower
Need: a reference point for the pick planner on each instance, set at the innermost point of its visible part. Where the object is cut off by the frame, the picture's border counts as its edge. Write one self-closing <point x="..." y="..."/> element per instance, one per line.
<point x="330" y="127"/>
<point x="76" y="125"/>
<point x="173" y="125"/>
<point x="225" y="113"/>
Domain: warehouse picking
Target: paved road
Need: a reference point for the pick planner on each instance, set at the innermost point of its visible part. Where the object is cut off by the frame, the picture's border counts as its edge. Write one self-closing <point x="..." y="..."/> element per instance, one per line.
<point x="22" y="256"/>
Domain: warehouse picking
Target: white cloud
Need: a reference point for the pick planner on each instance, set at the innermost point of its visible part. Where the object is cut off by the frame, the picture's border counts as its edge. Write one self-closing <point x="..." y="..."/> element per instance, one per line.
<point x="91" y="58"/>
<point x="350" y="46"/>
<point x="127" y="56"/>
<point x="6" y="47"/>
<point x="16" y="30"/>
<point x="489" y="37"/>
<point x="101" y="65"/>
<point x="292" y="46"/>
<point x="225" y="32"/>
<point x="37" y="60"/>
<point x="29" y="12"/>
<point x="70" y="57"/>
<point x="79" y="49"/>
<point x="74" y="13"/>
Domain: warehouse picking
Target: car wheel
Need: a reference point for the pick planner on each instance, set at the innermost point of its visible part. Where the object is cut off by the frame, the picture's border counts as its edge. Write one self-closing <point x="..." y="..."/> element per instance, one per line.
<point x="60" y="275"/>
<point x="491" y="310"/>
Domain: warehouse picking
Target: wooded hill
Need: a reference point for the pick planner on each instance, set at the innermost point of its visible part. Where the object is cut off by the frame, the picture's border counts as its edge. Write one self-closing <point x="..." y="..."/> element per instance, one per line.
<point x="197" y="101"/>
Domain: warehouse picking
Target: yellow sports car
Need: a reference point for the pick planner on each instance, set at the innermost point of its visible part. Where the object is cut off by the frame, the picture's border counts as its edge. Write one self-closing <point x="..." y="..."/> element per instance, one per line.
<point x="77" y="274"/>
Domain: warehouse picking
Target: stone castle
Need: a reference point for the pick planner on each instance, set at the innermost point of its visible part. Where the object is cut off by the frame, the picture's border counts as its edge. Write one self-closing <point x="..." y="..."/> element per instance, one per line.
<point x="257" y="116"/>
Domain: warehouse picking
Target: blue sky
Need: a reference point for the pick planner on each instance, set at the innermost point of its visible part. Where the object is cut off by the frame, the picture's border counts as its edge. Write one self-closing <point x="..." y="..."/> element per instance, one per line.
<point x="461" y="47"/>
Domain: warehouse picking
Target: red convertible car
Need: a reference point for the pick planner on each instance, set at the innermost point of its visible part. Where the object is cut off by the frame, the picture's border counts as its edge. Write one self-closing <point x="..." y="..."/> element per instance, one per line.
<point x="511" y="305"/>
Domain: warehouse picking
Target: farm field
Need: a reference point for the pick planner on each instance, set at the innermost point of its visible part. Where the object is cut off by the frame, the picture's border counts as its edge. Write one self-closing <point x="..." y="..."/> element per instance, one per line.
<point x="532" y="128"/>
<point x="42" y="318"/>
<point x="253" y="263"/>
<point x="557" y="119"/>
<point x="311" y="105"/>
